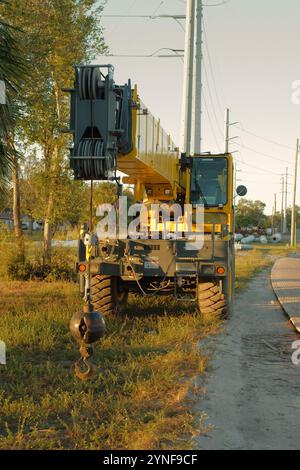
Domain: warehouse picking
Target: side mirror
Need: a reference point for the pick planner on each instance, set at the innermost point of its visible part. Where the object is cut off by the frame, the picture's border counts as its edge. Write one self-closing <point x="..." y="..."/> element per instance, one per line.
<point x="241" y="191"/>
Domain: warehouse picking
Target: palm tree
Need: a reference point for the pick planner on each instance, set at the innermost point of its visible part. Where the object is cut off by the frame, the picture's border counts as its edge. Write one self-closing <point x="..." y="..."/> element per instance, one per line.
<point x="12" y="71"/>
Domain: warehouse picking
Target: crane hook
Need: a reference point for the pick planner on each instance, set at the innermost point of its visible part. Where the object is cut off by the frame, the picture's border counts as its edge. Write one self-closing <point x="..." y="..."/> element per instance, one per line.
<point x="84" y="369"/>
<point x="87" y="327"/>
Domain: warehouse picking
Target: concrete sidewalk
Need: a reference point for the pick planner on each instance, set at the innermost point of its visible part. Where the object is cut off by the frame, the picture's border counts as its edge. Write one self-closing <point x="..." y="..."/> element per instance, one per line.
<point x="285" y="278"/>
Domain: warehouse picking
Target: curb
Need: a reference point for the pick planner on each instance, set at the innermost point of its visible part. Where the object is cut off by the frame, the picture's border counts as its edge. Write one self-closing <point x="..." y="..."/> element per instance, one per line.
<point x="285" y="280"/>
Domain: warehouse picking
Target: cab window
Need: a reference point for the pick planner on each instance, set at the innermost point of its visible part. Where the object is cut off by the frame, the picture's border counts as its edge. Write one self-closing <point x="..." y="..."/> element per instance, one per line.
<point x="209" y="181"/>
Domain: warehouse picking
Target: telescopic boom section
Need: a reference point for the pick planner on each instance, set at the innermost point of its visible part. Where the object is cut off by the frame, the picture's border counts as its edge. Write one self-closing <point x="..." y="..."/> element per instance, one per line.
<point x="153" y="164"/>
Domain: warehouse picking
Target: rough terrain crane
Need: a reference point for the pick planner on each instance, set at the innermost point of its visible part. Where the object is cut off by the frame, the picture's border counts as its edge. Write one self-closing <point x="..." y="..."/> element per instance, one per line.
<point x="113" y="130"/>
<point x="169" y="252"/>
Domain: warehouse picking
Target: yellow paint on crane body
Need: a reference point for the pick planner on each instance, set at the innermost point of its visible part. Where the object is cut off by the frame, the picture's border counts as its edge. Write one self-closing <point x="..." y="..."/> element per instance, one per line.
<point x="153" y="163"/>
<point x="153" y="167"/>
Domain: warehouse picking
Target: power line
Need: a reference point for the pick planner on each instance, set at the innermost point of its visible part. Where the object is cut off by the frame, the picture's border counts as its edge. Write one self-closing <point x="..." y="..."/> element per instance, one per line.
<point x="145" y="56"/>
<point x="211" y="69"/>
<point x="264" y="138"/>
<point x="154" y="16"/>
<point x="211" y="99"/>
<point x="210" y="121"/>
<point x="215" y="5"/>
<point x="260" y="173"/>
<point x="261" y="153"/>
<point x="156" y="9"/>
<point x="177" y="53"/>
<point x="119" y="22"/>
<point x="258" y="168"/>
<point x="225" y="2"/>
<point x="149" y="17"/>
<point x="219" y="101"/>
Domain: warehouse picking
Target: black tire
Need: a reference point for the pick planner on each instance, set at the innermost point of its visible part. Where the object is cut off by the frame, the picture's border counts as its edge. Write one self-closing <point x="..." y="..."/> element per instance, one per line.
<point x="211" y="300"/>
<point x="108" y="297"/>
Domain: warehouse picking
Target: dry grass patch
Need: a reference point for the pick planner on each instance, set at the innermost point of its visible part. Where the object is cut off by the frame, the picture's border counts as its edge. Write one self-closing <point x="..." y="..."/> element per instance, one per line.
<point x="139" y="399"/>
<point x="143" y="395"/>
<point x="250" y="263"/>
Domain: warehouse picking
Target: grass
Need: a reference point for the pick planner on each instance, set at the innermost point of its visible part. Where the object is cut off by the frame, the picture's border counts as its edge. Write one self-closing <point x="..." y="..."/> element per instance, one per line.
<point x="143" y="394"/>
<point x="249" y="263"/>
<point x="138" y="400"/>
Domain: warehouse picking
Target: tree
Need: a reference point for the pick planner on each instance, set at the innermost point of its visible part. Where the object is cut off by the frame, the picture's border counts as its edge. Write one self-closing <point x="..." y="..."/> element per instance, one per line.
<point x="12" y="73"/>
<point x="103" y="193"/>
<point x="4" y="200"/>
<point x="34" y="194"/>
<point x="250" y="213"/>
<point x="56" y="35"/>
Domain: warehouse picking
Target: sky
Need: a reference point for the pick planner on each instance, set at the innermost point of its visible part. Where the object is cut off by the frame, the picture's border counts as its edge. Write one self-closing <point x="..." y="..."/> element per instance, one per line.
<point x="250" y="62"/>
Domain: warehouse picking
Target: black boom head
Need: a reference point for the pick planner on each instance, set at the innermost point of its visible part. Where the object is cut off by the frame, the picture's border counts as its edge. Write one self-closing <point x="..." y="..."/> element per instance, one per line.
<point x="101" y="122"/>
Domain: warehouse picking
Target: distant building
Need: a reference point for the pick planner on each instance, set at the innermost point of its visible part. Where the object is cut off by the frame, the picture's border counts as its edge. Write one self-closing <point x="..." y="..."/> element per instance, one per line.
<point x="6" y="217"/>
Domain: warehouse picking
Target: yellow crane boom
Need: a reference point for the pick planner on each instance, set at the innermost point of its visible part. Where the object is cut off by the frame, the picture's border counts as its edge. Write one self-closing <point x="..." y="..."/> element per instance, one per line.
<point x="153" y="163"/>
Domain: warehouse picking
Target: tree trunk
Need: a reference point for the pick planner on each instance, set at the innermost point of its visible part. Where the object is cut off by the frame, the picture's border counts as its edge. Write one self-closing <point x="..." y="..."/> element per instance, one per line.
<point x="48" y="233"/>
<point x="54" y="170"/>
<point x="48" y="228"/>
<point x="30" y="225"/>
<point x="47" y="222"/>
<point x="17" y="209"/>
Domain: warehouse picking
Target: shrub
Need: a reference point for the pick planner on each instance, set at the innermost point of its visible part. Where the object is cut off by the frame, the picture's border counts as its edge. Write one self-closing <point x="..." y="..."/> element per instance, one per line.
<point x="20" y="269"/>
<point x="60" y="273"/>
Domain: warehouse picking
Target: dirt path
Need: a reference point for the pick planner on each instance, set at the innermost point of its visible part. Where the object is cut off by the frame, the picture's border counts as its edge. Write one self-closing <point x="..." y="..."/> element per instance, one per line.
<point x="253" y="391"/>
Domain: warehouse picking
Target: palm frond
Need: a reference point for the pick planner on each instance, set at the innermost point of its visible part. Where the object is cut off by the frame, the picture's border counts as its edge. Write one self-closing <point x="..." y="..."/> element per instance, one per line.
<point x="12" y="71"/>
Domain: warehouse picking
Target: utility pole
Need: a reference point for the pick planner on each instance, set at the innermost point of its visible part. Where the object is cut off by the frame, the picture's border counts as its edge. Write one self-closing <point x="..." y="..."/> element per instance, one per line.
<point x="226" y="131"/>
<point x="274" y="213"/>
<point x="227" y="125"/>
<point x="193" y="78"/>
<point x="275" y="203"/>
<point x="284" y="230"/>
<point x="234" y="179"/>
<point x="197" y="86"/>
<point x="189" y="74"/>
<point x="294" y="215"/>
<point x="282" y="203"/>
